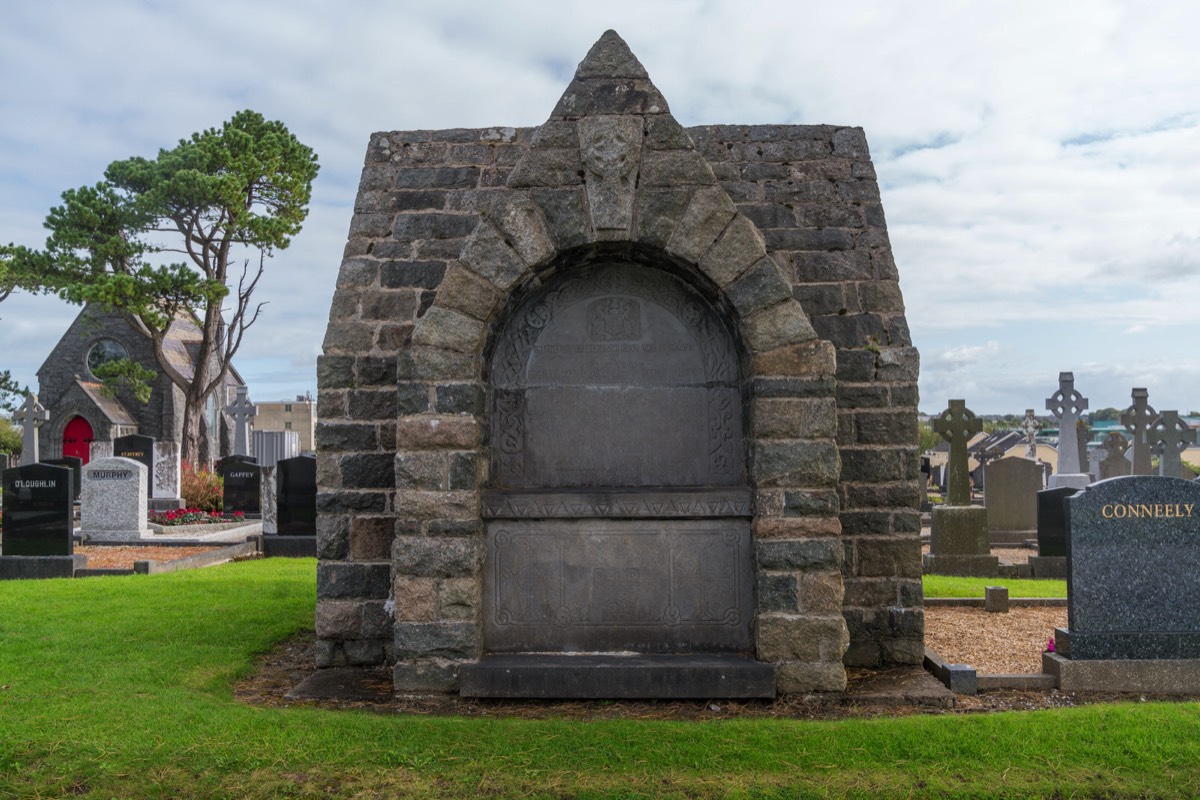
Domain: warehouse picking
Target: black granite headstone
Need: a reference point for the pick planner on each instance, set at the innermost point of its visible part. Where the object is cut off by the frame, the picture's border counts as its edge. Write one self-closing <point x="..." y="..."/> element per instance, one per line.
<point x="296" y="496"/>
<point x="1133" y="570"/>
<point x="3" y="461"/>
<point x="139" y="448"/>
<point x="243" y="485"/>
<point x="38" y="513"/>
<point x="73" y="463"/>
<point x="1052" y="521"/>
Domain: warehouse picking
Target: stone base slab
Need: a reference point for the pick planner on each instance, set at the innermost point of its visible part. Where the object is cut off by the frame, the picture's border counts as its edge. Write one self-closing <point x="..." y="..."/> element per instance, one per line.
<point x="34" y="567"/>
<point x="276" y="546"/>
<point x="963" y="566"/>
<point x="668" y="677"/>
<point x="998" y="538"/>
<point x="1048" y="566"/>
<point x="112" y="535"/>
<point x="1154" y="676"/>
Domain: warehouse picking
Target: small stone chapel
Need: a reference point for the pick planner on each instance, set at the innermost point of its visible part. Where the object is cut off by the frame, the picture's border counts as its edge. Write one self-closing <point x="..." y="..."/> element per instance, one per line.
<point x="611" y="407"/>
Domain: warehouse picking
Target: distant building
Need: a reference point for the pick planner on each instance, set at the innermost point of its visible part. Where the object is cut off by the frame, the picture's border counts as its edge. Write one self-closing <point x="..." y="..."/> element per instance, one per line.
<point x="298" y="415"/>
<point x="81" y="413"/>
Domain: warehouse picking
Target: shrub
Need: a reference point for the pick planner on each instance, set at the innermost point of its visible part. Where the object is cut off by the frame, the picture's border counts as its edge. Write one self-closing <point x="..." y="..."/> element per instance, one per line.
<point x="201" y="489"/>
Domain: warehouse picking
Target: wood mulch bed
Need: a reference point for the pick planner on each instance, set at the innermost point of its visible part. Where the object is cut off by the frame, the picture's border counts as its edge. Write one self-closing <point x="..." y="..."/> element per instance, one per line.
<point x="123" y="556"/>
<point x="993" y="643"/>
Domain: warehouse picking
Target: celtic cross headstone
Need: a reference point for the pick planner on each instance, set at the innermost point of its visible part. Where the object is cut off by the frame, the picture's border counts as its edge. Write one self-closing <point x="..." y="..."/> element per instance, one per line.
<point x="1115" y="464"/>
<point x="1066" y="405"/>
<point x="32" y="415"/>
<point x="1169" y="437"/>
<point x="957" y="424"/>
<point x="242" y="411"/>
<point x="1137" y="419"/>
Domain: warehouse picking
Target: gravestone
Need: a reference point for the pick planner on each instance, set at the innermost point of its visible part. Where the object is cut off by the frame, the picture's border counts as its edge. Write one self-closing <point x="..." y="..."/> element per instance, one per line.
<point x="1066" y="405"/>
<point x="959" y="531"/>
<point x="242" y="412"/>
<point x="74" y="464"/>
<point x="1029" y="428"/>
<point x="1010" y="496"/>
<point x="926" y="472"/>
<point x="1051" y="560"/>
<point x="1115" y="464"/>
<point x="32" y="415"/>
<point x="296" y="493"/>
<point x="166" y="478"/>
<point x="38" y="511"/>
<point x="243" y="485"/>
<point x="140" y="449"/>
<point x="114" y="506"/>
<point x="3" y="461"/>
<point x="1133" y="579"/>
<point x="1168" y="437"/>
<point x="1138" y="419"/>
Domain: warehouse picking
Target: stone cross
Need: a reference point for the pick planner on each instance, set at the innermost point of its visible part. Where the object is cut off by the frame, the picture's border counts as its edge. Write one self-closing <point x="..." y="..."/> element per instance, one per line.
<point x="32" y="416"/>
<point x="1114" y="464"/>
<point x="956" y="425"/>
<point x="242" y="411"/>
<point x="1138" y="419"/>
<point x="1066" y="404"/>
<point x="1171" y="436"/>
<point x="1029" y="427"/>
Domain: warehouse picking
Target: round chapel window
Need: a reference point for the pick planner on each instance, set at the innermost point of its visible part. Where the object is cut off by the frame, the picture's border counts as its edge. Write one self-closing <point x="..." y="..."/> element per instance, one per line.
<point x="104" y="351"/>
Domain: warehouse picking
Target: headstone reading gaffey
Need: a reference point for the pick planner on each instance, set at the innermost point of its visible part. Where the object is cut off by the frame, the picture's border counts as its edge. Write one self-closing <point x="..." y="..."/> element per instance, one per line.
<point x="243" y="485"/>
<point x="114" y="504"/>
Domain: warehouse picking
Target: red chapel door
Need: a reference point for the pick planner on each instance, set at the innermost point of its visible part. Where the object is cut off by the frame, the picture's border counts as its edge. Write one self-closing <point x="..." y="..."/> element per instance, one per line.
<point x="77" y="439"/>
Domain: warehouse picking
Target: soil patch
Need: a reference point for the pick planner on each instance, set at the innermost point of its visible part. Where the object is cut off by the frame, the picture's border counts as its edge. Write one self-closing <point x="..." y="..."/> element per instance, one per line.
<point x="123" y="556"/>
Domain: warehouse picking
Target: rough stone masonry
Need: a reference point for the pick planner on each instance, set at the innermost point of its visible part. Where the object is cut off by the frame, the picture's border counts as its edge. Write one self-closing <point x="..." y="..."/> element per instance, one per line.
<point x="775" y="231"/>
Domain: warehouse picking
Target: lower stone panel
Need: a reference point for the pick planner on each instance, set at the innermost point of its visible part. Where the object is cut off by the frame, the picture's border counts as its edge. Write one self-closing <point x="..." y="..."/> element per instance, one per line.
<point x="672" y="677"/>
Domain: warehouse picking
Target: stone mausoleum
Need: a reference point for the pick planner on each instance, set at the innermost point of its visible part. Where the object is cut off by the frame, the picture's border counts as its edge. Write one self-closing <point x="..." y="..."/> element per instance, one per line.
<point x="613" y="407"/>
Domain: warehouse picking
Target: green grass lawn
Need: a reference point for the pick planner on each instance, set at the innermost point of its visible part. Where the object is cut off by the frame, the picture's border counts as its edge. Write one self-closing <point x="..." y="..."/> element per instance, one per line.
<point x="950" y="586"/>
<point x="121" y="687"/>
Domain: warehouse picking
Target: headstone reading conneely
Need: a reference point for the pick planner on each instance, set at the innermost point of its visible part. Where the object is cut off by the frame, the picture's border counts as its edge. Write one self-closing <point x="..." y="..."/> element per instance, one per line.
<point x="1133" y="571"/>
<point x="114" y="505"/>
<point x="296" y="496"/>
<point x="1137" y="419"/>
<point x="1115" y="464"/>
<point x="242" y="411"/>
<point x="243" y="485"/>
<point x="38" y="511"/>
<point x="1010" y="495"/>
<point x="1029" y="428"/>
<point x="959" y="531"/>
<point x="32" y="415"/>
<point x="139" y="448"/>
<point x="74" y="464"/>
<point x="1066" y="405"/>
<point x="1169" y="436"/>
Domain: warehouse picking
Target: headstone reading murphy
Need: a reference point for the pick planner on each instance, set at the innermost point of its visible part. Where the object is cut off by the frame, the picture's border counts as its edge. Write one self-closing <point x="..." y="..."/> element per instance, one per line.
<point x="1132" y="582"/>
<point x="959" y="531"/>
<point x="38" y="513"/>
<point x="114" y="505"/>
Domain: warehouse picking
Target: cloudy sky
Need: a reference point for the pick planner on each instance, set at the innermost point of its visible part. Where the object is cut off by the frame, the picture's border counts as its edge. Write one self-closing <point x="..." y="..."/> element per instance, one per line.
<point x="1039" y="162"/>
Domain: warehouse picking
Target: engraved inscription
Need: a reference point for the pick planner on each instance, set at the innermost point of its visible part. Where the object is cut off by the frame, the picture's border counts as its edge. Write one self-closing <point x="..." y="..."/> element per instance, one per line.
<point x="615" y="319"/>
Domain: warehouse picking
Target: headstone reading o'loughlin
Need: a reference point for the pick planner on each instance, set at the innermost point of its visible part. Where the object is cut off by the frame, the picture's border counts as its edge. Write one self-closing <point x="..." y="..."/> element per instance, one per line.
<point x="1133" y="561"/>
<point x="38" y="513"/>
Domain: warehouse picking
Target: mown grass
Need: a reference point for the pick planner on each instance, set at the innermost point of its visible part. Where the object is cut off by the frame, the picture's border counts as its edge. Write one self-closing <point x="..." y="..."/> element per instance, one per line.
<point x="951" y="586"/>
<point x="121" y="687"/>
